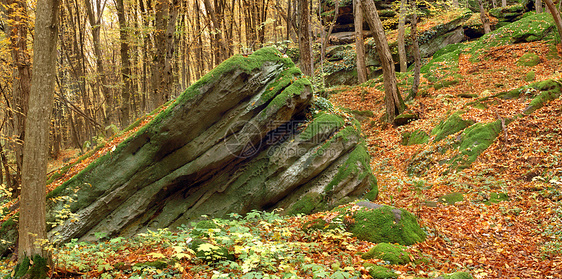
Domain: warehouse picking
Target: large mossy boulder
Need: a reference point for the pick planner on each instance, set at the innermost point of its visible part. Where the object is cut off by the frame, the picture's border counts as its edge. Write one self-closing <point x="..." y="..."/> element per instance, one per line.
<point x="382" y="223"/>
<point x="239" y="139"/>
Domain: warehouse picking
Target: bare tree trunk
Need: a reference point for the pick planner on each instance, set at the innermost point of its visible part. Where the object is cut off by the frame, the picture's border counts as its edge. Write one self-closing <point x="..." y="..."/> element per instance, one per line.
<point x="331" y="28"/>
<point x="17" y="33"/>
<point x="456" y="3"/>
<point x="304" y="39"/>
<point x="159" y="60"/>
<point x="484" y="18"/>
<point x="555" y="15"/>
<point x="401" y="30"/>
<point x="538" y="6"/>
<point x="359" y="43"/>
<point x="95" y="16"/>
<point x="125" y="65"/>
<point x="504" y="3"/>
<point x="417" y="56"/>
<point x="494" y="4"/>
<point x="32" y="224"/>
<point x="393" y="99"/>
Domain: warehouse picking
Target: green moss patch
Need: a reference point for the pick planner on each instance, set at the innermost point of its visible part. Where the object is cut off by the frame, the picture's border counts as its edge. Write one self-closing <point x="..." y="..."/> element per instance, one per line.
<point x="452" y="125"/>
<point x="474" y="140"/>
<point x="393" y="254"/>
<point x="529" y="60"/>
<point x="496" y="198"/>
<point x="383" y="223"/>
<point x="445" y="83"/>
<point x="305" y="205"/>
<point x="549" y="90"/>
<point x="531" y="28"/>
<point x="530" y="76"/>
<point x="380" y="272"/>
<point x="451" y="198"/>
<point x="457" y="275"/>
<point x="415" y="137"/>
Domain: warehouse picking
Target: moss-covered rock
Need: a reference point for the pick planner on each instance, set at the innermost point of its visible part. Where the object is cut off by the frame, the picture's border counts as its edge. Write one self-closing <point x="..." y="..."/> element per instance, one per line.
<point x="380" y="272"/>
<point x="414" y="137"/>
<point x="474" y="140"/>
<point x="529" y="60"/>
<point x="549" y="90"/>
<point x="445" y="83"/>
<point x="451" y="198"/>
<point x="383" y="223"/>
<point x="241" y="138"/>
<point x="496" y="198"/>
<point x="456" y="275"/>
<point x="530" y="76"/>
<point x="452" y="125"/>
<point x="154" y="264"/>
<point x="393" y="254"/>
<point x="535" y="27"/>
<point x="404" y="118"/>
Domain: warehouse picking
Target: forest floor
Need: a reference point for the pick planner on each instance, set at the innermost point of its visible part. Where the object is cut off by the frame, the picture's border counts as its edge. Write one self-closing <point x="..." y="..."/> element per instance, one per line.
<point x="518" y="238"/>
<point x="490" y="240"/>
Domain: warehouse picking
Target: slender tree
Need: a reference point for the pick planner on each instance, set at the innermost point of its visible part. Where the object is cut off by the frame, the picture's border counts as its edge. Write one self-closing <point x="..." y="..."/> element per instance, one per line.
<point x="401" y="44"/>
<point x="538" y="6"/>
<point x="555" y="15"/>
<point x="393" y="99"/>
<point x="125" y="64"/>
<point x="32" y="225"/>
<point x="330" y="27"/>
<point x="21" y="76"/>
<point x="416" y="52"/>
<point x="359" y="42"/>
<point x="484" y="18"/>
<point x="304" y="39"/>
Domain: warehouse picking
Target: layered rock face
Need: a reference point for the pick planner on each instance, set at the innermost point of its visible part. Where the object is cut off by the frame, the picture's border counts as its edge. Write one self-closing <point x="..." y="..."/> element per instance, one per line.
<point x="243" y="137"/>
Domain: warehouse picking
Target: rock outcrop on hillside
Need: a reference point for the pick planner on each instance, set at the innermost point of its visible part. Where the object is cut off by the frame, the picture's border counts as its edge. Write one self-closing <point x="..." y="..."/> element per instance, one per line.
<point x="243" y="137"/>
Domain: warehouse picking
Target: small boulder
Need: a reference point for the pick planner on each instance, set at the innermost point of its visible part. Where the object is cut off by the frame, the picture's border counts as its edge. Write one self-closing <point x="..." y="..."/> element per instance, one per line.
<point x="380" y="272"/>
<point x="529" y="60"/>
<point x="456" y="275"/>
<point x="382" y="223"/>
<point x="393" y="254"/>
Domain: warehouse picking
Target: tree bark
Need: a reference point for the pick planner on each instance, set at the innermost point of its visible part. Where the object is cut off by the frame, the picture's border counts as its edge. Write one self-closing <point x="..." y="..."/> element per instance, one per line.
<point x="125" y="65"/>
<point x="359" y="43"/>
<point x="94" y="17"/>
<point x="484" y="17"/>
<point x="304" y="39"/>
<point x="504" y="3"/>
<point x="538" y="6"/>
<point x="17" y="33"/>
<point x="555" y="15"/>
<point x="32" y="226"/>
<point x="330" y="28"/>
<point x="393" y="99"/>
<point x="401" y="44"/>
<point x="417" y="56"/>
<point x="159" y="60"/>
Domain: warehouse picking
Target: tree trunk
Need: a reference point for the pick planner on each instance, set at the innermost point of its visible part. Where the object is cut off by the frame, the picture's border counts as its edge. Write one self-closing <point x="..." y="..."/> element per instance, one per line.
<point x="32" y="226"/>
<point x="555" y="15"/>
<point x="393" y="99"/>
<point x="17" y="33"/>
<point x="159" y="60"/>
<point x="359" y="43"/>
<point x="330" y="28"/>
<point x="484" y="18"/>
<point x="304" y="39"/>
<point x="125" y="65"/>
<point x="417" y="56"/>
<point x="401" y="30"/>
<point x="94" y="17"/>
<point x="538" y="6"/>
<point x="504" y="3"/>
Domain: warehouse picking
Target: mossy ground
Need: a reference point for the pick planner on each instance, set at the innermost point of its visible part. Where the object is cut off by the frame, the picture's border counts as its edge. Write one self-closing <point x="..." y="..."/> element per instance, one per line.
<point x="393" y="254"/>
<point x="381" y="225"/>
